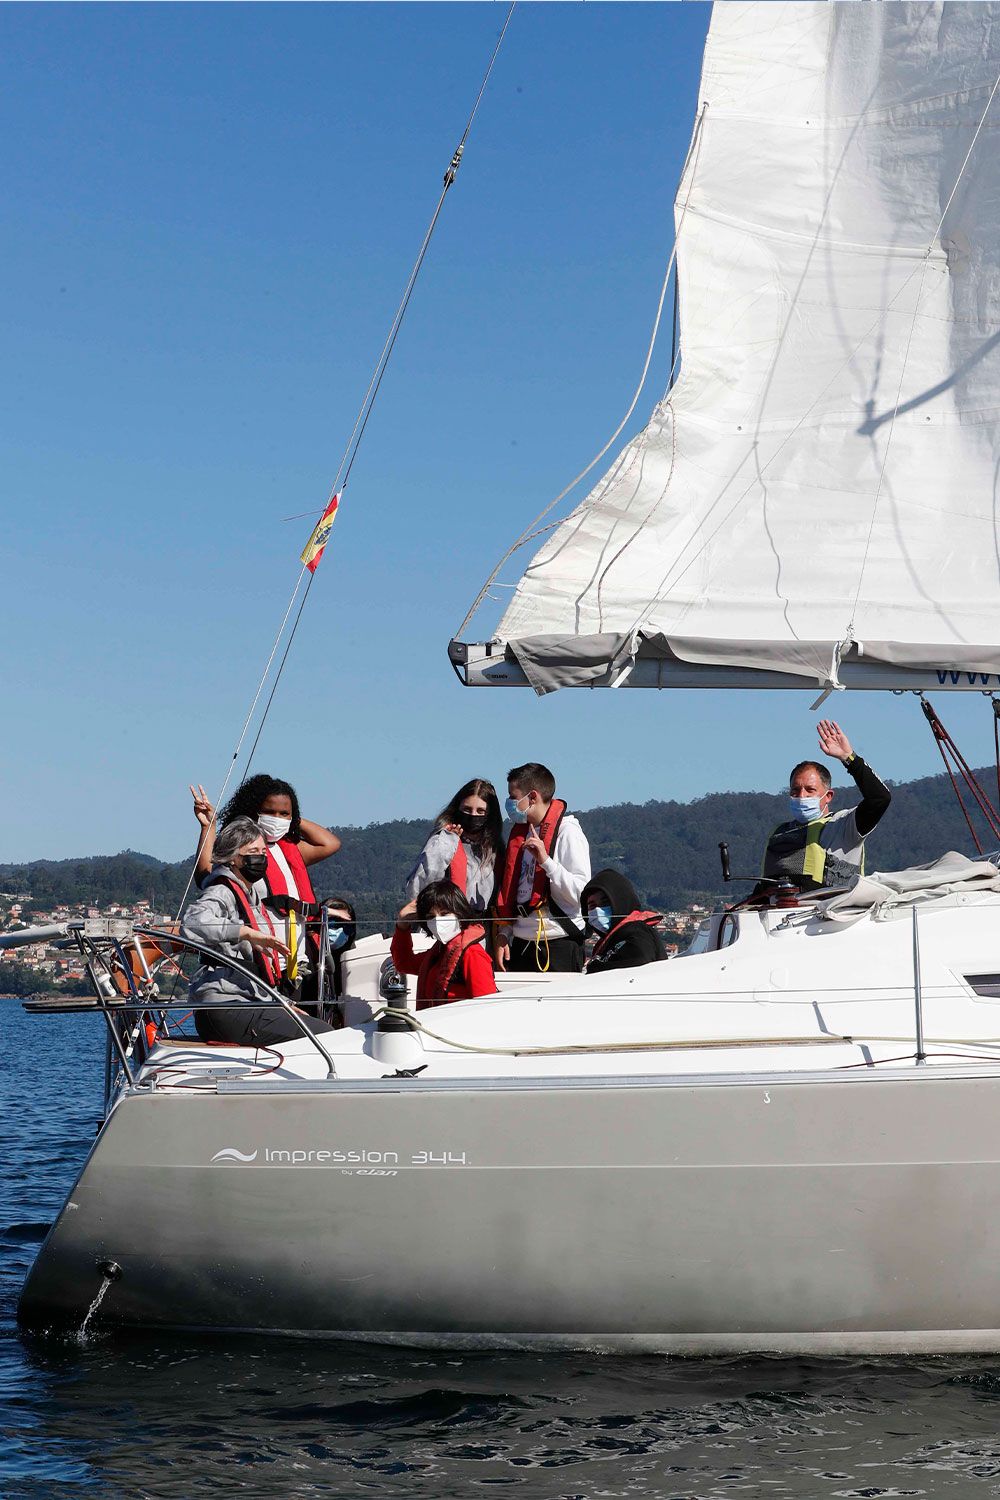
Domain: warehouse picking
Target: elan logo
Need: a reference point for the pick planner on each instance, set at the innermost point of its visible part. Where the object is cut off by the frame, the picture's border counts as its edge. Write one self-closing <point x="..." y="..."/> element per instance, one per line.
<point x="230" y="1153"/>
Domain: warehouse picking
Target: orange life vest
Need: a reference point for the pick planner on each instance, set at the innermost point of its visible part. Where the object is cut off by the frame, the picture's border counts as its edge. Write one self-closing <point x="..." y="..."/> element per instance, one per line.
<point x="507" y="903"/>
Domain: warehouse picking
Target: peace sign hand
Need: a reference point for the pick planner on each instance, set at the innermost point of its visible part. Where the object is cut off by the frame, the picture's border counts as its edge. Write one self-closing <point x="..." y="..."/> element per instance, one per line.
<point x="203" y="809"/>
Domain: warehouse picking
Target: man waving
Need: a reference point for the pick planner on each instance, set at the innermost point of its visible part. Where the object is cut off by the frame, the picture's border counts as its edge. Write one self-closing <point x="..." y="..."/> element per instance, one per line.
<point x="817" y="847"/>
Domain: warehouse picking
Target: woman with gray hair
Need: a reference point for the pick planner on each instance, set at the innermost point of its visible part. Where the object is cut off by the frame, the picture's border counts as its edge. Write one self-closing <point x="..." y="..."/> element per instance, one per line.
<point x="229" y="918"/>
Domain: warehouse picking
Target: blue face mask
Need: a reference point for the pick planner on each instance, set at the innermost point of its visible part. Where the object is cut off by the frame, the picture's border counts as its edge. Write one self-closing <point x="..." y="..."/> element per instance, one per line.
<point x="599" y="918"/>
<point x="510" y="807"/>
<point x="804" y="809"/>
<point x="338" y="938"/>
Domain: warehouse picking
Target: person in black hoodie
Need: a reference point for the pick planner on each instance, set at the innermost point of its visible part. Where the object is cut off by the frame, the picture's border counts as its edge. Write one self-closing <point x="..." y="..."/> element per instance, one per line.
<point x="625" y="933"/>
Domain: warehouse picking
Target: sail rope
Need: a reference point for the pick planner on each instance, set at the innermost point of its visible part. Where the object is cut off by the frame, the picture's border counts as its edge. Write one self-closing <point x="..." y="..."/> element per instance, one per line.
<point x="347" y="460"/>
<point x="534" y="529"/>
<point x="954" y="761"/>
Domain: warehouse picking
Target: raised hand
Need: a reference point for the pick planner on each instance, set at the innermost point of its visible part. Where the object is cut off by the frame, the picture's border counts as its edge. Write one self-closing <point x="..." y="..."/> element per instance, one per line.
<point x="534" y="843"/>
<point x="407" y="913"/>
<point x="833" y="741"/>
<point x="203" y="809"/>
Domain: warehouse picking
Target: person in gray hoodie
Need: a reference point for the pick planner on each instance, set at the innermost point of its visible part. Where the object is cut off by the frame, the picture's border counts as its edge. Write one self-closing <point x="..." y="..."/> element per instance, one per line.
<point x="464" y="847"/>
<point x="229" y="918"/>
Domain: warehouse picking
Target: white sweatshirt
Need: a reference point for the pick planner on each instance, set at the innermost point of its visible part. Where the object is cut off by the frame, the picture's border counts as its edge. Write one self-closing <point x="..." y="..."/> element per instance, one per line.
<point x="568" y="870"/>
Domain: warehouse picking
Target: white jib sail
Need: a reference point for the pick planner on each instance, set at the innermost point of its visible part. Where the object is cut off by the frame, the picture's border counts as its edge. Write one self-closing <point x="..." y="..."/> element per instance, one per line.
<point x="823" y="478"/>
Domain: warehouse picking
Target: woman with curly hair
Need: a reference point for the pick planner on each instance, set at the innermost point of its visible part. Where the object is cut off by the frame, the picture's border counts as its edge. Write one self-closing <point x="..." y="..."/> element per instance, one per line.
<point x="293" y="843"/>
<point x="464" y="845"/>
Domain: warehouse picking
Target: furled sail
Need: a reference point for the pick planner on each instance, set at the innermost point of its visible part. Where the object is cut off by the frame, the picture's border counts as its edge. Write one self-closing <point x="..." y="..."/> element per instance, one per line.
<point x="818" y="493"/>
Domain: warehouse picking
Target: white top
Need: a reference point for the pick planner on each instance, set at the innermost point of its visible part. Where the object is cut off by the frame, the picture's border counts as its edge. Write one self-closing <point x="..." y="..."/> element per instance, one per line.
<point x="568" y="870"/>
<point x="832" y="326"/>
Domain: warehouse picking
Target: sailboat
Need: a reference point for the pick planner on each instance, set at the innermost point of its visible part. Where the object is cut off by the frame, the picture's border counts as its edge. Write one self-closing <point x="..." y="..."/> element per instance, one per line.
<point x="788" y="1138"/>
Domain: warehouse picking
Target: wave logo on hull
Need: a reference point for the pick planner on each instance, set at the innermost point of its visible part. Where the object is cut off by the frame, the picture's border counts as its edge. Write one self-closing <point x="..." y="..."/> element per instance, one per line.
<point x="230" y="1153"/>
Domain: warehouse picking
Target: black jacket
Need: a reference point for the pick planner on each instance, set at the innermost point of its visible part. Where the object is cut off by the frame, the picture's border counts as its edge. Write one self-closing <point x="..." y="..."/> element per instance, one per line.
<point x="632" y="945"/>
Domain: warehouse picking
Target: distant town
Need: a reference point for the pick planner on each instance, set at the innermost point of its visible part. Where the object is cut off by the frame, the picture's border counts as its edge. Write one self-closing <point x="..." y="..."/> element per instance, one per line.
<point x="51" y="968"/>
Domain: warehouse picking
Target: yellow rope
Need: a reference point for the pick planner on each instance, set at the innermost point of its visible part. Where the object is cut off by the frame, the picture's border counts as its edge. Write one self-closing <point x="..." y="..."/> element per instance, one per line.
<point x="292" y="969"/>
<point x="539" y="936"/>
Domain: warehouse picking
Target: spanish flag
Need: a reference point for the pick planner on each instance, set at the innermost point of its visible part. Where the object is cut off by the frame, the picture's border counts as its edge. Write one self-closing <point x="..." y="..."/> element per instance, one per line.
<point x="321" y="535"/>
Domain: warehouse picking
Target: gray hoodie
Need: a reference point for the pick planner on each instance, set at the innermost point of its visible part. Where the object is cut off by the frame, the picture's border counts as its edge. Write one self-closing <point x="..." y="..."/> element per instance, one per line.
<point x="215" y="920"/>
<point x="437" y="855"/>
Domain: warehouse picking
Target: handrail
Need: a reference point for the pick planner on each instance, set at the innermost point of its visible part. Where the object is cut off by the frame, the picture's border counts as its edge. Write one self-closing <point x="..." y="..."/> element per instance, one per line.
<point x="272" y="994"/>
<point x="118" y="931"/>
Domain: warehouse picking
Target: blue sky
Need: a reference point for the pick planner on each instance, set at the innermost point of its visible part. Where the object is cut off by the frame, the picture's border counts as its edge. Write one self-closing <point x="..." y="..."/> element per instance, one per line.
<point x="209" y="215"/>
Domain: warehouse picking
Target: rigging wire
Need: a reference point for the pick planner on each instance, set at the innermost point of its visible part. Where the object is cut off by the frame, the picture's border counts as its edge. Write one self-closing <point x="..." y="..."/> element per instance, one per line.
<point x="351" y="451"/>
<point x="948" y="747"/>
<point x="239" y="743"/>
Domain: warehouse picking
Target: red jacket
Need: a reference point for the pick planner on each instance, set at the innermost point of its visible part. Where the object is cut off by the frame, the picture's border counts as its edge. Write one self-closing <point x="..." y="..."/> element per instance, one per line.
<point x="458" y="970"/>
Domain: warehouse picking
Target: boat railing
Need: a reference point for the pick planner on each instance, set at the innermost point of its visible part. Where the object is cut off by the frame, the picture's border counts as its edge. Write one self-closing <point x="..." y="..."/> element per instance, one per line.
<point x="122" y="961"/>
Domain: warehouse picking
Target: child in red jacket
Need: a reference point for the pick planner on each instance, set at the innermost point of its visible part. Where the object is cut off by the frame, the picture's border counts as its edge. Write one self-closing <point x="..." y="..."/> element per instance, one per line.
<point x="458" y="966"/>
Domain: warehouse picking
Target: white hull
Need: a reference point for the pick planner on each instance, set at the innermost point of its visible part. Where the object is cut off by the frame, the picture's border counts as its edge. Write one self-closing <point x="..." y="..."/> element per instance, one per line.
<point x="730" y="1152"/>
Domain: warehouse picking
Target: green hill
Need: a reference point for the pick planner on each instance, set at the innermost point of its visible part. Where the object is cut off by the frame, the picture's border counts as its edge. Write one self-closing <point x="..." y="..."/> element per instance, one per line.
<point x="669" y="850"/>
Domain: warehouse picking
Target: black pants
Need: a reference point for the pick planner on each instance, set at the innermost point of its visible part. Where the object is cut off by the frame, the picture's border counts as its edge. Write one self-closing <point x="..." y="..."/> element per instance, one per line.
<point x="565" y="956"/>
<point x="254" y="1024"/>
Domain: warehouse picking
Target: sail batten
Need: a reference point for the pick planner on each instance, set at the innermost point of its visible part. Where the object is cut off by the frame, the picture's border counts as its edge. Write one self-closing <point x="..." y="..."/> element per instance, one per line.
<point x="825" y="470"/>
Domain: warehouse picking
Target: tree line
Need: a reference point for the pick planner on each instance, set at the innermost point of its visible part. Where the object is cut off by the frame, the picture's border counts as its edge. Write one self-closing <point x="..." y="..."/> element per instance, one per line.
<point x="668" y="849"/>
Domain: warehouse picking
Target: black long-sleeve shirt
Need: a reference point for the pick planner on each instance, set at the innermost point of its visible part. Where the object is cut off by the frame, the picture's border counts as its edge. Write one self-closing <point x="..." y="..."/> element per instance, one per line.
<point x="875" y="795"/>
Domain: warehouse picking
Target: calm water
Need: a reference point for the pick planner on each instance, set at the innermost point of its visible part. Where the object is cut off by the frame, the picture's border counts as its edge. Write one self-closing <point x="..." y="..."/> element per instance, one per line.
<point x="175" y="1418"/>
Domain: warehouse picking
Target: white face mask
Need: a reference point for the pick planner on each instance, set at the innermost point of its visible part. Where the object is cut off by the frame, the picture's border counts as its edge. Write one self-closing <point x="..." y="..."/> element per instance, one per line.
<point x="273" y="828"/>
<point x="444" y="928"/>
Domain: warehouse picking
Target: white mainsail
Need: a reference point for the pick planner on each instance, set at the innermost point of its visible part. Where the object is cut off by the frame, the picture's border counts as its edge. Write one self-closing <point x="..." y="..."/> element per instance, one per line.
<point x="821" y="484"/>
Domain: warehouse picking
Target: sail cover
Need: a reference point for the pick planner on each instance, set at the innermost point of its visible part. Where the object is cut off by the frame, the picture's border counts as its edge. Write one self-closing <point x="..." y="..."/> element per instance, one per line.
<point x="821" y="484"/>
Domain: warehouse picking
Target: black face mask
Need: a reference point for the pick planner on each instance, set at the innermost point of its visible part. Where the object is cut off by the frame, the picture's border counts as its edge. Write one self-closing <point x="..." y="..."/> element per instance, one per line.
<point x="472" y="822"/>
<point x="253" y="867"/>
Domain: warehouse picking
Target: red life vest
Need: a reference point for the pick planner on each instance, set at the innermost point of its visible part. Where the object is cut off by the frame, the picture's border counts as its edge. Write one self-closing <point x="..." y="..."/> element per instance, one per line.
<point x="651" y="918"/>
<point x="265" y="962"/>
<point x="281" y="892"/>
<point x="458" y="870"/>
<point x="440" y="964"/>
<point x="507" y="904"/>
<point x="300" y="888"/>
